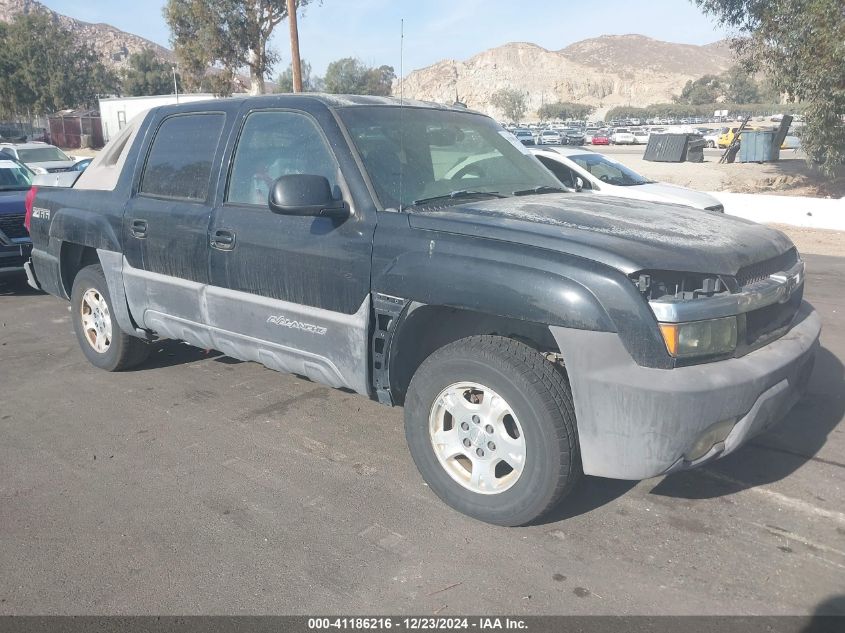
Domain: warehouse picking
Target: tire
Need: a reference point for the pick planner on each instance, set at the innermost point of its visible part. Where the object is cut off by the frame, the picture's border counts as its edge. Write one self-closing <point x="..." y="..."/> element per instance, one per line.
<point x="102" y="341"/>
<point x="517" y="379"/>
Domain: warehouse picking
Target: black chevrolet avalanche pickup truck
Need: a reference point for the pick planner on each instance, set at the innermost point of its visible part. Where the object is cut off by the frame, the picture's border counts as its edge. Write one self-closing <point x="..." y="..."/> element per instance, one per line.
<point x="416" y="254"/>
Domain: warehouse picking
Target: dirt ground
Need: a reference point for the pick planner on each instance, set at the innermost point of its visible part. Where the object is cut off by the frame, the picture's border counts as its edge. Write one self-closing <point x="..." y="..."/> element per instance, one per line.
<point x="815" y="241"/>
<point x="789" y="176"/>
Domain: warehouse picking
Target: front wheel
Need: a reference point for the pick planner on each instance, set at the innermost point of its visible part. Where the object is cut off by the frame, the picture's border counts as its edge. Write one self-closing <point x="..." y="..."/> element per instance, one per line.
<point x="102" y="341"/>
<point x="491" y="427"/>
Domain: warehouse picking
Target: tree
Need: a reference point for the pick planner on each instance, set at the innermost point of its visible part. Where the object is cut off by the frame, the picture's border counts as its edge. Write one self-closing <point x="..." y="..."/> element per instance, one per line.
<point x="352" y="76"/>
<point x="626" y="112"/>
<point x="43" y="68"/>
<point x="284" y="83"/>
<point x="511" y="102"/>
<point x="800" y="46"/>
<point x="147" y="75"/>
<point x="706" y="89"/>
<point x="741" y="87"/>
<point x="226" y="35"/>
<point x="564" y="110"/>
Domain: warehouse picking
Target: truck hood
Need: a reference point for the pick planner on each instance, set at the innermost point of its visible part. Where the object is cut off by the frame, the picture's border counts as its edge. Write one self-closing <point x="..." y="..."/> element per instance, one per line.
<point x="628" y="235"/>
<point x="664" y="192"/>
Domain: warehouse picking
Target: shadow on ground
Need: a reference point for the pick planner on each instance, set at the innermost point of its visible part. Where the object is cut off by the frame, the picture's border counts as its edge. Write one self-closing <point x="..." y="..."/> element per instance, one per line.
<point x="16" y="286"/>
<point x="169" y="353"/>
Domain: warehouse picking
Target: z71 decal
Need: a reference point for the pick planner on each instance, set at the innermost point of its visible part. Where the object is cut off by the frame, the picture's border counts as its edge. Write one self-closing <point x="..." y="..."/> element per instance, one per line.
<point x="296" y="325"/>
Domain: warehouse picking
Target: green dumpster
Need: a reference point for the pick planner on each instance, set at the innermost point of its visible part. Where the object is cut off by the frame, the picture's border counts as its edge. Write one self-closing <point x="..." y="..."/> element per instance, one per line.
<point x="758" y="146"/>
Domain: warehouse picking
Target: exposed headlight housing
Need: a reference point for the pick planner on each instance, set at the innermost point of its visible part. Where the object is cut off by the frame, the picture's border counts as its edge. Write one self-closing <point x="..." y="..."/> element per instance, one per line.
<point x="712" y="337"/>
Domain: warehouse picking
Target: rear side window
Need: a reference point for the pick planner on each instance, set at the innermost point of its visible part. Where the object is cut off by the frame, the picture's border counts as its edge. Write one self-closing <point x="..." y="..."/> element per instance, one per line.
<point x="179" y="162"/>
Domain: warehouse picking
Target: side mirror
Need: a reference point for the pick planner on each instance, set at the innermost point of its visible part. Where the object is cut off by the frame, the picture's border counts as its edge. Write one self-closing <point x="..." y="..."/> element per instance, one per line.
<point x="306" y="195"/>
<point x="579" y="184"/>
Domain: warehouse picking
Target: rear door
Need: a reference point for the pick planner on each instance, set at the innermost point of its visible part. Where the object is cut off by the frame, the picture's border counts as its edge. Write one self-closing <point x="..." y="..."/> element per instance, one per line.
<point x="166" y="225"/>
<point x="291" y="292"/>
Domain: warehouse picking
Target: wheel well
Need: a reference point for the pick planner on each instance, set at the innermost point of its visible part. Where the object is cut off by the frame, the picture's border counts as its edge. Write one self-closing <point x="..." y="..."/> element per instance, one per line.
<point x="426" y="329"/>
<point x="74" y="258"/>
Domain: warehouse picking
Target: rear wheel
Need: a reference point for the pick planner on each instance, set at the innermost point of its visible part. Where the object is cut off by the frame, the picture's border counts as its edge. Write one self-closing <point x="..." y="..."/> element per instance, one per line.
<point x="102" y="341"/>
<point x="491" y="427"/>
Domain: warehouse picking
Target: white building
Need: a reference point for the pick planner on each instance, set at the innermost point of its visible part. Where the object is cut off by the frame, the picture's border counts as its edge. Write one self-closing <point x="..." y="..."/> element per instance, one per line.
<point x="116" y="111"/>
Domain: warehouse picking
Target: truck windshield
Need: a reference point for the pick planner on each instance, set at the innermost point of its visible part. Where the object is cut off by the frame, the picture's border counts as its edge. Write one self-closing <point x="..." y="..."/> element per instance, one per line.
<point x="42" y="155"/>
<point x="609" y="171"/>
<point x="14" y="176"/>
<point x="424" y="155"/>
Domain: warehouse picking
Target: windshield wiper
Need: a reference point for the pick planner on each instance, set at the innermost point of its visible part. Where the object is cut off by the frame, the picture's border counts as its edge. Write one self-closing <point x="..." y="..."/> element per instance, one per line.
<point x="460" y="193"/>
<point x="541" y="189"/>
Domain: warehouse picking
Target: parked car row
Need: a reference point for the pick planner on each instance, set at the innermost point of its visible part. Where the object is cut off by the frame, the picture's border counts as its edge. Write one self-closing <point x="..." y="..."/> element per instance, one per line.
<point x="549" y="136"/>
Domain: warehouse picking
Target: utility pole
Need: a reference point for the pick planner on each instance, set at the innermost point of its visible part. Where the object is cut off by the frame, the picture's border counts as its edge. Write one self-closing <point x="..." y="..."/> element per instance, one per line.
<point x="175" y="85"/>
<point x="295" y="62"/>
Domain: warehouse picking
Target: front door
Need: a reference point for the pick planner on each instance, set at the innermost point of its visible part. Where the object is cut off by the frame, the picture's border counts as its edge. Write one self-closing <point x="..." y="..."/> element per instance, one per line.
<point x="291" y="292"/>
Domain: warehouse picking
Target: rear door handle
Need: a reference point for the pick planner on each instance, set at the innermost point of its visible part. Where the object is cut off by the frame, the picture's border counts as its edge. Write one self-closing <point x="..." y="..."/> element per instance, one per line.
<point x="139" y="228"/>
<point x="223" y="240"/>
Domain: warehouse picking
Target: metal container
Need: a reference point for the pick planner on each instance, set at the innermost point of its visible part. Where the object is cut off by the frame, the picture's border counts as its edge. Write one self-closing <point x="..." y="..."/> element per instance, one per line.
<point x="666" y="148"/>
<point x="758" y="146"/>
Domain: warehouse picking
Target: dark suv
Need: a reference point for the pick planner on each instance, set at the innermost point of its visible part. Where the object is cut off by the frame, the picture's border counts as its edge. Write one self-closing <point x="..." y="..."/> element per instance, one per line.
<point x="15" y="244"/>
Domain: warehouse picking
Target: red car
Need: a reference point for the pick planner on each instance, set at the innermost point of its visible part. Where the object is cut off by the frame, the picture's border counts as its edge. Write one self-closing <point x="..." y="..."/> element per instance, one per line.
<point x="601" y="138"/>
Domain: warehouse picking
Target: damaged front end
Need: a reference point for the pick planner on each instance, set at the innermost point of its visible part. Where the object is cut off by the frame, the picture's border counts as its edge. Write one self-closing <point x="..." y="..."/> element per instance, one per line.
<point x="704" y="318"/>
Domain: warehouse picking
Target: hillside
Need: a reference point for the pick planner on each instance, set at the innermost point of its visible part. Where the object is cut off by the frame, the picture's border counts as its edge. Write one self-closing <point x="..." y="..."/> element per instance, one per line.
<point x="112" y="45"/>
<point x="603" y="72"/>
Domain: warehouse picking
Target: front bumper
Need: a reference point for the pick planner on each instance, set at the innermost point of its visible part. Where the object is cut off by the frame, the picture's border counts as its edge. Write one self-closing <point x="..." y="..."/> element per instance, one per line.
<point x="636" y="422"/>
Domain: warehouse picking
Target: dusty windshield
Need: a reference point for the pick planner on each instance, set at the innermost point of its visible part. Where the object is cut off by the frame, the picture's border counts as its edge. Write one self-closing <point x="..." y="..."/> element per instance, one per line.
<point x="42" y="155"/>
<point x="419" y="156"/>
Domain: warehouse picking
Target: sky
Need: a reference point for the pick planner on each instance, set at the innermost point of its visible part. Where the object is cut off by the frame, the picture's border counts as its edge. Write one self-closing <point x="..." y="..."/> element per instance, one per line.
<point x="434" y="29"/>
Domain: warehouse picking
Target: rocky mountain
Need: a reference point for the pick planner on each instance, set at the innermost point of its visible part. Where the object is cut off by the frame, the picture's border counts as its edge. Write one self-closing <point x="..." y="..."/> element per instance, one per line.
<point x="112" y="45"/>
<point x="604" y="72"/>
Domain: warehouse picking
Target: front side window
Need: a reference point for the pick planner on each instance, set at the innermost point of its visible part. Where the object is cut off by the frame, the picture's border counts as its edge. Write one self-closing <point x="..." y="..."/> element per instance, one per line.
<point x="415" y="154"/>
<point x="274" y="144"/>
<point x="179" y="162"/>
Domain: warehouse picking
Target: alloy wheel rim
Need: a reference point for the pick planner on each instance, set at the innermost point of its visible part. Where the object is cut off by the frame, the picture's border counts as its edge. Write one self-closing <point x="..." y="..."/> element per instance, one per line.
<point x="477" y="438"/>
<point x="96" y="320"/>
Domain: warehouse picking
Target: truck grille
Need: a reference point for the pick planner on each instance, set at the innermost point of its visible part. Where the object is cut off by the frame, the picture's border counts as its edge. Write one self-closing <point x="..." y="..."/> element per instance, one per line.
<point x="12" y="226"/>
<point x="57" y="170"/>
<point x="766" y="324"/>
<point x="748" y="275"/>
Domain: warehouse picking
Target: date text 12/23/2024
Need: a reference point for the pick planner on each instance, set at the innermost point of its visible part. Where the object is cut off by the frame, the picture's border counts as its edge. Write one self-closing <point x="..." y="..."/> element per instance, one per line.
<point x="417" y="623"/>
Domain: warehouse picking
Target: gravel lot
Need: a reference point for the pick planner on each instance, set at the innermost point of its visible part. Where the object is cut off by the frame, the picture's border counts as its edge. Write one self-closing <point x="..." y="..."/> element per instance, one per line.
<point x="788" y="176"/>
<point x="198" y="484"/>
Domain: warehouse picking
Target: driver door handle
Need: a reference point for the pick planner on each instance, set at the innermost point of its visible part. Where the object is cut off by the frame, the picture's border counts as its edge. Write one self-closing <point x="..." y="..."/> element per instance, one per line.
<point x="223" y="240"/>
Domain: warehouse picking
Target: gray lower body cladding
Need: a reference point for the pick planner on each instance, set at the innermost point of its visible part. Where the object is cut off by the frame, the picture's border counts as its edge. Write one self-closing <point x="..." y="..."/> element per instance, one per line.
<point x="636" y="422"/>
<point x="328" y="347"/>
